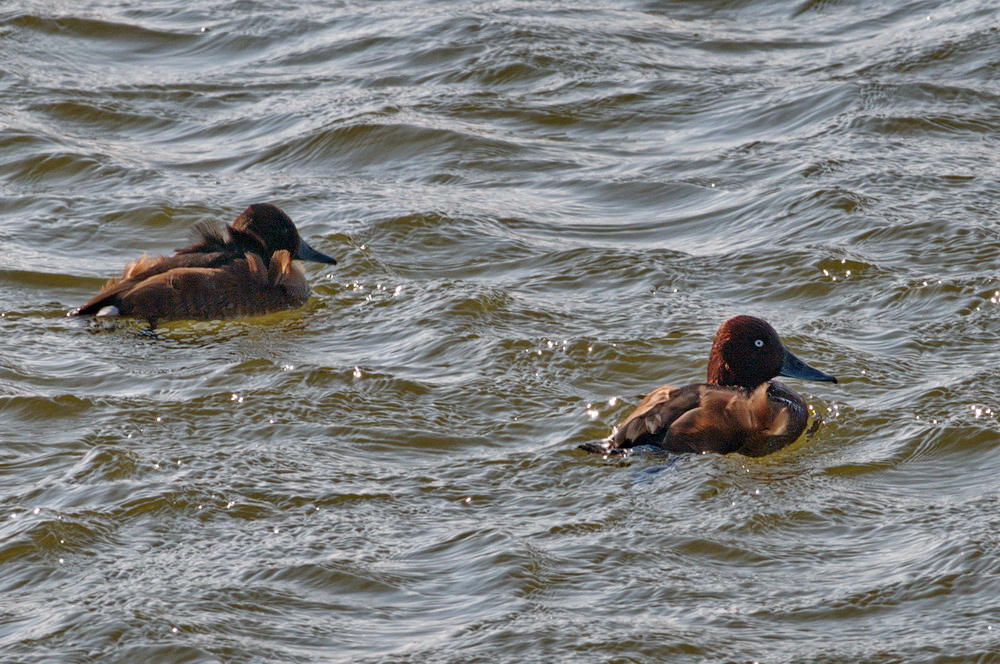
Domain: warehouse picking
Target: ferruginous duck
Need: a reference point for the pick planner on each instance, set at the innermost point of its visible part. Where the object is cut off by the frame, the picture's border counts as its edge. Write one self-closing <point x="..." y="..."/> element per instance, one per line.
<point x="738" y="409"/>
<point x="247" y="269"/>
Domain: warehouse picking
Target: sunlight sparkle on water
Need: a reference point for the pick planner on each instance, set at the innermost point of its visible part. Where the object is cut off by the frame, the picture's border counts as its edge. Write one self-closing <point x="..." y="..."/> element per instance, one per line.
<point x="499" y="237"/>
<point x="981" y="411"/>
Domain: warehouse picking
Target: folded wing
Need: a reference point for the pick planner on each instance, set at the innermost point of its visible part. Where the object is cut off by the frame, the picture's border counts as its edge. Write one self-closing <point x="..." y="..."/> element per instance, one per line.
<point x="703" y="418"/>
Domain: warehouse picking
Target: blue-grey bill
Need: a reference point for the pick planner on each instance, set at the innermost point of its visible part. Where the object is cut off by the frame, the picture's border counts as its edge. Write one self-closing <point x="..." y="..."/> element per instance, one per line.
<point x="307" y="253"/>
<point x="793" y="367"/>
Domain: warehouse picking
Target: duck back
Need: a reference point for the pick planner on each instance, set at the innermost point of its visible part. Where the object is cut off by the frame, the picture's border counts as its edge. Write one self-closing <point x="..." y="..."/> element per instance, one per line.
<point x="203" y="286"/>
<point x="712" y="418"/>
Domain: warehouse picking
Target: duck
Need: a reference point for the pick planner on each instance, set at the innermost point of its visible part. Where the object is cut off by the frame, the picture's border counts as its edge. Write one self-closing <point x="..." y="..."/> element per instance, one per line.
<point x="739" y="408"/>
<point x="244" y="269"/>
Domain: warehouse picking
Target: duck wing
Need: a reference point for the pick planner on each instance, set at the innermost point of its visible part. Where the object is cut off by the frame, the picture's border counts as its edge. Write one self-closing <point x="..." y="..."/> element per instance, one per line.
<point x="239" y="287"/>
<point x="141" y="270"/>
<point x="701" y="418"/>
<point x="650" y="422"/>
<point x="731" y="420"/>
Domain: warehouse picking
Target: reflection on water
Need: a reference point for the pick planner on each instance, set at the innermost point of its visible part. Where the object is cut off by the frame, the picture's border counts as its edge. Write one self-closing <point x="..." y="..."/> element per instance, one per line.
<point x="540" y="212"/>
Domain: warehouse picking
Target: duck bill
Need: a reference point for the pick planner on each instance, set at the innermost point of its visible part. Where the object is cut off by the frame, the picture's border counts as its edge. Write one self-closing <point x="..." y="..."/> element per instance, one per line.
<point x="793" y="367"/>
<point x="307" y="253"/>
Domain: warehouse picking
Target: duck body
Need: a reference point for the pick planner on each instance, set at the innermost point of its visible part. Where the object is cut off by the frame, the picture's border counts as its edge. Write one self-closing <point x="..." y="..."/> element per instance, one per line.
<point x="248" y="269"/>
<point x="738" y="409"/>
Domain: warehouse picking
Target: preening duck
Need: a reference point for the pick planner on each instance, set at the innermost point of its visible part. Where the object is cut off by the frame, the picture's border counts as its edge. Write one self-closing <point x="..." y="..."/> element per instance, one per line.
<point x="246" y="269"/>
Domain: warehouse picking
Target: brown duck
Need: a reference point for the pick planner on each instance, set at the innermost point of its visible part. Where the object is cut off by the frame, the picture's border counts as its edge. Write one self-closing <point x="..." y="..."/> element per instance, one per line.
<point x="738" y="409"/>
<point x="247" y="269"/>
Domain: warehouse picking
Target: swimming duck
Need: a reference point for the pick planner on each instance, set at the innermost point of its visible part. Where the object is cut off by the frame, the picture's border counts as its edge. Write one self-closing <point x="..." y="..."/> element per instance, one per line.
<point x="247" y="269"/>
<point x="738" y="409"/>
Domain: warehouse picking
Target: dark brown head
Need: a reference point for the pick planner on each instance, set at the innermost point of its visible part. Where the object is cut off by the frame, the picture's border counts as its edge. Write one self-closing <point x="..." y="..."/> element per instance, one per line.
<point x="274" y="230"/>
<point x="747" y="352"/>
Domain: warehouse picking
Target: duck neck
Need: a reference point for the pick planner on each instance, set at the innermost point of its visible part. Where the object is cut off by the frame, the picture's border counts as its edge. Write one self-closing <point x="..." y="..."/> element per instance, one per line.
<point x="722" y="374"/>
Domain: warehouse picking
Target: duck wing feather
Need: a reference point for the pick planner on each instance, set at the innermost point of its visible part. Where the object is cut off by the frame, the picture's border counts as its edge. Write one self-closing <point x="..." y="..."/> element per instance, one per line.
<point x="701" y="418"/>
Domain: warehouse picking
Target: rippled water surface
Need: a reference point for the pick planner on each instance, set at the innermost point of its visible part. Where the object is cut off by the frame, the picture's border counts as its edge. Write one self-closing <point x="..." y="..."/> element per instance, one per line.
<point x="541" y="210"/>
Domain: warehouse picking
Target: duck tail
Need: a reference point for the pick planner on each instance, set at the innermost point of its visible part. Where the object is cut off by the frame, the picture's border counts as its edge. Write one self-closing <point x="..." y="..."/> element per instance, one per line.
<point x="99" y="306"/>
<point x="106" y="302"/>
<point x="603" y="448"/>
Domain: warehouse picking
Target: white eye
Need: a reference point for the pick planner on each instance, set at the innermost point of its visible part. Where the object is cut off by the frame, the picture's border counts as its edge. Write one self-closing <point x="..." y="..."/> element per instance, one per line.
<point x="759" y="343"/>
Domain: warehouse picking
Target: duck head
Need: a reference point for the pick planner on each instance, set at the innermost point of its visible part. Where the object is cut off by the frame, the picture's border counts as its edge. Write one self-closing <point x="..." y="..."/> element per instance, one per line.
<point x="274" y="230"/>
<point x="747" y="352"/>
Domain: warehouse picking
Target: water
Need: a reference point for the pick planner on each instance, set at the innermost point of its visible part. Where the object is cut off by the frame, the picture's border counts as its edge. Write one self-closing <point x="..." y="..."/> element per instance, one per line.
<point x="541" y="210"/>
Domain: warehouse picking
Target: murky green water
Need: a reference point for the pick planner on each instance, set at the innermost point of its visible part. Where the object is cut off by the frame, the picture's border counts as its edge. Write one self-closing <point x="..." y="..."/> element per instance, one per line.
<point x="541" y="211"/>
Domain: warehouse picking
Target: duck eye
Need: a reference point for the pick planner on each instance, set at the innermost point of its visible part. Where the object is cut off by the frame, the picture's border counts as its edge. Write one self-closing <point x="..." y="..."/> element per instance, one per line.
<point x="759" y="343"/>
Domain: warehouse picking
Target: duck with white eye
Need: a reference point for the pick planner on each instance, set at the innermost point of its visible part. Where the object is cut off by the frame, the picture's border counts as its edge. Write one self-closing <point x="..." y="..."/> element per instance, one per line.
<point x="738" y="409"/>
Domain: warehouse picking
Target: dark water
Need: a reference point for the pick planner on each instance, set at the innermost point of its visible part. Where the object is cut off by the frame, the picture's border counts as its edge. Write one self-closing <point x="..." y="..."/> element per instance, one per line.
<point x="541" y="210"/>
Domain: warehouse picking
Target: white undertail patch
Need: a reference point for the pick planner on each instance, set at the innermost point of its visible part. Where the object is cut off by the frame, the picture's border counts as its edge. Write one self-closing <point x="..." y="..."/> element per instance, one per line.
<point x="109" y="311"/>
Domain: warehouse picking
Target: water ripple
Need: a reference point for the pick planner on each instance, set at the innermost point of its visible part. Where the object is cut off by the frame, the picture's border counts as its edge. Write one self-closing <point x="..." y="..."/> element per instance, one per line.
<point x="541" y="211"/>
